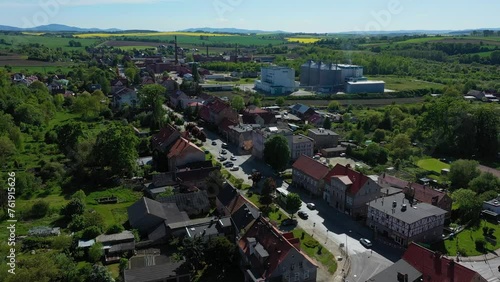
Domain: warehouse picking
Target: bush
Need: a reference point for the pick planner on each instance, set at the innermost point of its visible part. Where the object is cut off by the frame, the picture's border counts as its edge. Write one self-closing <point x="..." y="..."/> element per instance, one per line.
<point x="462" y="251"/>
<point x="480" y="243"/>
<point x="311" y="243"/>
<point x="91" y="232"/>
<point x="39" y="209"/>
<point x="114" y="229"/>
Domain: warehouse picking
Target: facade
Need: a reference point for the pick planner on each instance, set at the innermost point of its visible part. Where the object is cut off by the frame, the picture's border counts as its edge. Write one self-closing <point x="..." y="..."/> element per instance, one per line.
<point x="323" y="138"/>
<point x="327" y="77"/>
<point x="308" y="174"/>
<point x="268" y="255"/>
<point x="405" y="222"/>
<point x="277" y="80"/>
<point x="255" y="115"/>
<point x="301" y="145"/>
<point x="353" y="87"/>
<point x="349" y="191"/>
<point x="241" y="135"/>
<point x="184" y="152"/>
<point x="492" y="205"/>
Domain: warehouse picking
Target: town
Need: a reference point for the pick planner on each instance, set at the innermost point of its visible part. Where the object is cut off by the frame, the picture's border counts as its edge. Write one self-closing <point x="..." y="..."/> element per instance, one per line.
<point x="206" y="156"/>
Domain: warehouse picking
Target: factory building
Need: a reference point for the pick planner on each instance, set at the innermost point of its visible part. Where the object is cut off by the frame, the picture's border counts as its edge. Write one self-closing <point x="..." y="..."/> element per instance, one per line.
<point x="332" y="77"/>
<point x="277" y="80"/>
<point x="369" y="86"/>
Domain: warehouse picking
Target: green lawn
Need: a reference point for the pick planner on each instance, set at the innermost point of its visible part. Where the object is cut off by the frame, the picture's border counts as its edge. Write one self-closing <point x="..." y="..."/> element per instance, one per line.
<point x="114" y="269"/>
<point x="432" y="164"/>
<point x="465" y="241"/>
<point x="396" y="83"/>
<point x="324" y="257"/>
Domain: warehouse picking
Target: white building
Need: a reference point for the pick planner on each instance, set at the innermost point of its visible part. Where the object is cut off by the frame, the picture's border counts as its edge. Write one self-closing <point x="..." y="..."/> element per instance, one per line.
<point x="277" y="80"/>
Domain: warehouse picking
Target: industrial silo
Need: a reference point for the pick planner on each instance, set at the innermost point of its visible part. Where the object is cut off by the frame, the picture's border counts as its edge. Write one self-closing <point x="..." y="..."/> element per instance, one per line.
<point x="337" y="76"/>
<point x="314" y="74"/>
<point x="304" y="73"/>
<point x="327" y="76"/>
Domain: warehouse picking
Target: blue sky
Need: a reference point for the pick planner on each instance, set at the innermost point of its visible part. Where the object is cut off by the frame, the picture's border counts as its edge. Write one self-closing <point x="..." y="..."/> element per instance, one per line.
<point x="289" y="15"/>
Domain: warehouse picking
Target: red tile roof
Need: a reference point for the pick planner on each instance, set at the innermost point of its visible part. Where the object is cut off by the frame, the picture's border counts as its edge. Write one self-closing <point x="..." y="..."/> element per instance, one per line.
<point x="358" y="179"/>
<point x="225" y="124"/>
<point x="276" y="244"/>
<point x="204" y="113"/>
<point x="217" y="105"/>
<point x="158" y="140"/>
<point x="435" y="267"/>
<point x="182" y="146"/>
<point x="311" y="167"/>
<point x="251" y="110"/>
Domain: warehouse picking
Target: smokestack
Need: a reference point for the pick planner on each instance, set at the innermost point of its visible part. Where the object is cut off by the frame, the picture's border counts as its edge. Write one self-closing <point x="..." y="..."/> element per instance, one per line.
<point x="176" y="51"/>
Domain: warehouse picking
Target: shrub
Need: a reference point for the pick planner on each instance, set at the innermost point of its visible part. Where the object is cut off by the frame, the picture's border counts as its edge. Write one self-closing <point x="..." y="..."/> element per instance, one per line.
<point x="480" y="243"/>
<point x="462" y="251"/>
<point x="114" y="229"/>
<point x="40" y="209"/>
<point x="311" y="243"/>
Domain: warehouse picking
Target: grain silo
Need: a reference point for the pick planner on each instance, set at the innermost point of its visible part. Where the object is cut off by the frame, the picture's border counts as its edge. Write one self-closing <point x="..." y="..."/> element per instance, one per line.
<point x="304" y="73"/>
<point x="314" y="74"/>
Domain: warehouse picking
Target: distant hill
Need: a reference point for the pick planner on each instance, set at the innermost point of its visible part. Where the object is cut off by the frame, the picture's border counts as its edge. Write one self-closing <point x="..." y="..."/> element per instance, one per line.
<point x="231" y="30"/>
<point x="411" y="32"/>
<point x="56" y="27"/>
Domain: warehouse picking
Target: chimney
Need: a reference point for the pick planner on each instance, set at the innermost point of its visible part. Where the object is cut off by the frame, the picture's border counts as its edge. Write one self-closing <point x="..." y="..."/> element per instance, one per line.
<point x="176" y="51"/>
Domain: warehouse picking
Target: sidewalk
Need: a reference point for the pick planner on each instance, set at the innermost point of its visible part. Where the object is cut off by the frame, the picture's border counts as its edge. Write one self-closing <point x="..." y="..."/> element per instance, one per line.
<point x="485" y="257"/>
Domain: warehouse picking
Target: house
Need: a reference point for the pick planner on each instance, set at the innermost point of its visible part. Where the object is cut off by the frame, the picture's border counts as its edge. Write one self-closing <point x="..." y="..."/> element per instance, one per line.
<point x="205" y="228"/>
<point x="260" y="136"/>
<point x="194" y="175"/>
<point x="404" y="221"/>
<point x="302" y="111"/>
<point x="308" y="174"/>
<point x="94" y="87"/>
<point x="184" y="152"/>
<point x="154" y="268"/>
<point x="181" y="100"/>
<point x="115" y="246"/>
<point x="269" y="255"/>
<point x="419" y="192"/>
<point x="333" y="152"/>
<point x="435" y="267"/>
<point x="256" y="115"/>
<point x="323" y="138"/>
<point x="230" y="202"/>
<point x="316" y="120"/>
<point x="492" y="205"/>
<point x="170" y="84"/>
<point x="400" y="271"/>
<point x="241" y="135"/>
<point x="163" y="140"/>
<point x="215" y="110"/>
<point x="349" y="191"/>
<point x="146" y="215"/>
<point x="192" y="203"/>
<point x="301" y="145"/>
<point x="44" y="231"/>
<point x="125" y="96"/>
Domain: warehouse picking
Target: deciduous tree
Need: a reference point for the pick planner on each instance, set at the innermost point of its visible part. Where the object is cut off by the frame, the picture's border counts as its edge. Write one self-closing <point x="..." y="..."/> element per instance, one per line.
<point x="277" y="152"/>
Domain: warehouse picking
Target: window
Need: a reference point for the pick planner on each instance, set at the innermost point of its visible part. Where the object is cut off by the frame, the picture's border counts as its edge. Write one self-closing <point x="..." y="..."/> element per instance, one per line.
<point x="297" y="276"/>
<point x="306" y="274"/>
<point x="292" y="266"/>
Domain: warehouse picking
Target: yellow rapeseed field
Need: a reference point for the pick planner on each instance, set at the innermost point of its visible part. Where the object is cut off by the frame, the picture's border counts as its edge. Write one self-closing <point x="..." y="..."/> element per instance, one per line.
<point x="33" y="33"/>
<point x="88" y="35"/>
<point x="303" y="39"/>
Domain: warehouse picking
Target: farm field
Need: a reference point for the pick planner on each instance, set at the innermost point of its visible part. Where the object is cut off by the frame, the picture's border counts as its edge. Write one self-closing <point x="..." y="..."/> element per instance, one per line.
<point x="48" y="41"/>
<point x="303" y="39"/>
<point x="21" y="63"/>
<point x="142" y="34"/>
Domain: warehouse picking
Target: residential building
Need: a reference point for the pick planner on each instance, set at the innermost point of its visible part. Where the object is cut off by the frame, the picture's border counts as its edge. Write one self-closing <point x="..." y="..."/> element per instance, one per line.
<point x="436" y="267"/>
<point x="163" y="140"/>
<point x="260" y="136"/>
<point x="302" y="111"/>
<point x="241" y="135"/>
<point x="181" y="100"/>
<point x="308" y="174"/>
<point x="268" y="255"/>
<point x="349" y="191"/>
<point x="333" y="152"/>
<point x="146" y="215"/>
<point x="419" y="192"/>
<point x="492" y="205"/>
<point x="323" y="138"/>
<point x="301" y="145"/>
<point x="400" y="271"/>
<point x="205" y="228"/>
<point x="154" y="268"/>
<point x="256" y="115"/>
<point x="215" y="110"/>
<point x="195" y="203"/>
<point x="276" y="80"/>
<point x="184" y="152"/>
<point x="403" y="221"/>
<point x="115" y="246"/>
<point x="125" y="96"/>
<point x="230" y="202"/>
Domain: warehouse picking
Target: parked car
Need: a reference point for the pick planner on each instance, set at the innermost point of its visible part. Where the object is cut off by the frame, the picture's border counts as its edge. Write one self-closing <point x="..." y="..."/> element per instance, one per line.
<point x="233" y="158"/>
<point x="224" y="145"/>
<point x="311" y="206"/>
<point x="289" y="222"/>
<point x="214" y="143"/>
<point x="207" y="152"/>
<point x="303" y="215"/>
<point x="222" y="158"/>
<point x="235" y="168"/>
<point x="223" y="152"/>
<point x="365" y="242"/>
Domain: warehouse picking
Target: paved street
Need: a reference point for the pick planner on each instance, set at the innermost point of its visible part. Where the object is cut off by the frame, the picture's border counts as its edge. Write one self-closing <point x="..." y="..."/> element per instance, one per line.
<point x="487" y="268"/>
<point x="328" y="226"/>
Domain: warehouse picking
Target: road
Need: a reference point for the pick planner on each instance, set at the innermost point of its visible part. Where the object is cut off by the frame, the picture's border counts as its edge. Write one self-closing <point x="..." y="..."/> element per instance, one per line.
<point x="328" y="226"/>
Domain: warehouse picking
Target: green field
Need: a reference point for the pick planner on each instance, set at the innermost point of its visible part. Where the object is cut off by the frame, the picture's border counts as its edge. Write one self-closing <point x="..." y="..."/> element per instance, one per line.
<point x="432" y="164"/>
<point x="48" y="41"/>
<point x="324" y="257"/>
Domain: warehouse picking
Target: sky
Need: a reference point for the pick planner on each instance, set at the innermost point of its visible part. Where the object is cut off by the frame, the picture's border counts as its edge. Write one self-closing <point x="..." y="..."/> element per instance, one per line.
<point x="314" y="16"/>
